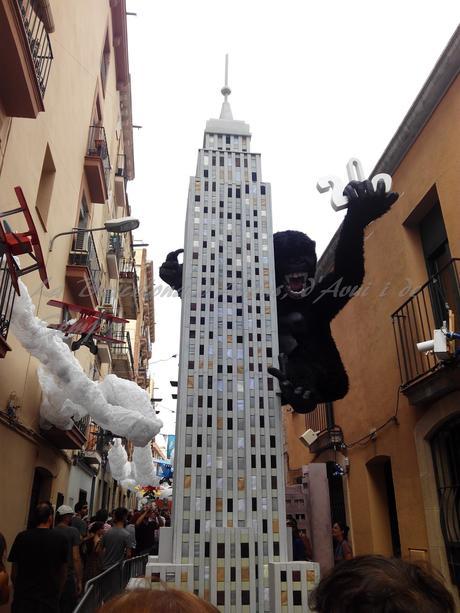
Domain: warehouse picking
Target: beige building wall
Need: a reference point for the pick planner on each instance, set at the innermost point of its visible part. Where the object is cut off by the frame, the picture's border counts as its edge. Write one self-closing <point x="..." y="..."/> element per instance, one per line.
<point x="74" y="95"/>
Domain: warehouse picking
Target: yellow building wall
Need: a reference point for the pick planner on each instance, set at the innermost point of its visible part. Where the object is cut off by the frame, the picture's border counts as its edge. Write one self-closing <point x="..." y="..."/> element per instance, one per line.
<point x="395" y="269"/>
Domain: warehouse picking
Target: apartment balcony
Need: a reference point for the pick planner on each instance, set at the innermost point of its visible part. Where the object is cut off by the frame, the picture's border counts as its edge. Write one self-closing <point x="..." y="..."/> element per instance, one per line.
<point x="121" y="177"/>
<point x="94" y="454"/>
<point x="7" y="296"/>
<point x="321" y="420"/>
<point x="25" y="57"/>
<point x="424" y="378"/>
<point x="122" y="355"/>
<point x="114" y="253"/>
<point x="129" y="292"/>
<point x="97" y="165"/>
<point x="69" y="439"/>
<point x="83" y="273"/>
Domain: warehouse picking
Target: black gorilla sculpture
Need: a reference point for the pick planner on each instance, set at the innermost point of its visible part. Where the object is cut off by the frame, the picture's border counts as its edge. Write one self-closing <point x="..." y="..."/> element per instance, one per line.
<point x="311" y="369"/>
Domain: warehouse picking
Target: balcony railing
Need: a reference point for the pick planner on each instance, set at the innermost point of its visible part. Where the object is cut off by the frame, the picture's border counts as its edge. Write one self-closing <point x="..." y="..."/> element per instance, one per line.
<point x="416" y="320"/>
<point x="84" y="253"/>
<point x="97" y="147"/>
<point x="39" y="42"/>
<point x="75" y="438"/>
<point x="129" y="291"/>
<point x="7" y="295"/>
<point x="320" y="419"/>
<point x="83" y="424"/>
<point x="122" y="353"/>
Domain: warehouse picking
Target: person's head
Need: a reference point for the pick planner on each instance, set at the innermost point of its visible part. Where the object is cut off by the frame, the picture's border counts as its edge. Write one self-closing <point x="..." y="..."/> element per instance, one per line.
<point x="43" y="515"/>
<point x="375" y="584"/>
<point x="64" y="515"/>
<point x="120" y="515"/>
<point x="2" y="551"/>
<point x="158" y="601"/>
<point x="102" y="515"/>
<point x="97" y="528"/>
<point x="81" y="508"/>
<point x="340" y="530"/>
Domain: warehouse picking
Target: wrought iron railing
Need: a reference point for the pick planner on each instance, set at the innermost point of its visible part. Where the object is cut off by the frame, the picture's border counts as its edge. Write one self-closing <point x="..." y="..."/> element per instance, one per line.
<point x="7" y="295"/>
<point x="416" y="320"/>
<point x="127" y="268"/>
<point x="83" y="424"/>
<point x="84" y="253"/>
<point x="122" y="349"/>
<point x="121" y="165"/>
<point x="97" y="146"/>
<point x="445" y="448"/>
<point x="321" y="418"/>
<point x="38" y="39"/>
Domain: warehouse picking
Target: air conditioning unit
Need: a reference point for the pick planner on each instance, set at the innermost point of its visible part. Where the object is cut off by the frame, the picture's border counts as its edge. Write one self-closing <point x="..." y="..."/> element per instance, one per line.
<point x="109" y="301"/>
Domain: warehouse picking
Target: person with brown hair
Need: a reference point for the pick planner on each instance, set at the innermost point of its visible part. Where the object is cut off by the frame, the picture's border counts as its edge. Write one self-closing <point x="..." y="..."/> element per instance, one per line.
<point x="375" y="584"/>
<point x="4" y="578"/>
<point x="342" y="548"/>
<point x="91" y="551"/>
<point x="167" y="600"/>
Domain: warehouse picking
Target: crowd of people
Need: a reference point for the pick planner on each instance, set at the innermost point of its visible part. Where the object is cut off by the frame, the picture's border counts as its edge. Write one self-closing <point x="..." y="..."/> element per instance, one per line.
<point x="52" y="562"/>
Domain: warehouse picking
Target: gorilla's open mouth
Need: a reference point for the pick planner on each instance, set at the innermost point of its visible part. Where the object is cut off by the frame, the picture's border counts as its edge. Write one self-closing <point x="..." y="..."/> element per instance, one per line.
<point x="296" y="284"/>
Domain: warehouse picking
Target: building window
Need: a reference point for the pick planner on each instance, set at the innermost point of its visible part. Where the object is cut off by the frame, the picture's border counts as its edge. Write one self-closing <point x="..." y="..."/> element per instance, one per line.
<point x="105" y="61"/>
<point x="45" y="187"/>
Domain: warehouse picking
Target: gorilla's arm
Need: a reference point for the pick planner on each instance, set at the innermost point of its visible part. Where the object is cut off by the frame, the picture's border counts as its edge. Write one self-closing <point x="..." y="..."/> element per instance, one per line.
<point x="171" y="271"/>
<point x="365" y="205"/>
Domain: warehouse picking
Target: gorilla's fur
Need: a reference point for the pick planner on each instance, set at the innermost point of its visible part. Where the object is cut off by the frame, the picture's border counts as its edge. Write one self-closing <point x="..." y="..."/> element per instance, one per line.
<point x="311" y="369"/>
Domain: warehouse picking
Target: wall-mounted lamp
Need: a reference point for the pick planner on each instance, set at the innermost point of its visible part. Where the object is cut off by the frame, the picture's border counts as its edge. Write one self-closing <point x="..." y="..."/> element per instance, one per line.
<point x="116" y="226"/>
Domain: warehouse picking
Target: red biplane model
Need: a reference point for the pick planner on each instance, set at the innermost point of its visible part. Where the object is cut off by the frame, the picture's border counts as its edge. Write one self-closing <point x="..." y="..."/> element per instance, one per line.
<point x="20" y="243"/>
<point x="91" y="325"/>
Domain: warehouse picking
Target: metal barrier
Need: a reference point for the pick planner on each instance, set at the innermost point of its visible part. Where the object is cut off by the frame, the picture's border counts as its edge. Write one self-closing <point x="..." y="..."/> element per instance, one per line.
<point x="133" y="568"/>
<point x="111" y="582"/>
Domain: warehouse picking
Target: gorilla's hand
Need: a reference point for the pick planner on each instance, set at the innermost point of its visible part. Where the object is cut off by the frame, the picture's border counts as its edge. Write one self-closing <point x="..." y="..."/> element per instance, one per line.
<point x="367" y="203"/>
<point x="171" y="270"/>
<point x="301" y="399"/>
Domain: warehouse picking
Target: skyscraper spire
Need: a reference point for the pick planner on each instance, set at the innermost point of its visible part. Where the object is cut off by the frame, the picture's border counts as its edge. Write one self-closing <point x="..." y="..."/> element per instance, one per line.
<point x="226" y="112"/>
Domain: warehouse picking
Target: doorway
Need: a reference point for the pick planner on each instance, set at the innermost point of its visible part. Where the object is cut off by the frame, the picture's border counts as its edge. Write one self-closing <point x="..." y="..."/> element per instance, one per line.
<point x="383" y="510"/>
<point x="41" y="491"/>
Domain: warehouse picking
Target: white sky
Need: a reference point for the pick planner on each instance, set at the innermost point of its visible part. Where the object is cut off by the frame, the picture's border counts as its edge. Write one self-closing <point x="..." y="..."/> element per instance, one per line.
<point x="318" y="82"/>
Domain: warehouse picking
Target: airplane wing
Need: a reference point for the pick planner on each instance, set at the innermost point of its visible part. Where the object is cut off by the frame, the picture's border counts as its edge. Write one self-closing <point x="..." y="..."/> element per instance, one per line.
<point x="113" y="319"/>
<point x="73" y="307"/>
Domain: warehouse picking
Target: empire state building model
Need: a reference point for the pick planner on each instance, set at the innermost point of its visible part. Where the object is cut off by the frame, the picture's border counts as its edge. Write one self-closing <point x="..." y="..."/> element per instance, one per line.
<point x="228" y="540"/>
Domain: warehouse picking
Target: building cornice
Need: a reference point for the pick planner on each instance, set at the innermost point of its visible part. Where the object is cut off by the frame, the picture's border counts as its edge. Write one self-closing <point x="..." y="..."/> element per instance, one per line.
<point x="120" y="46"/>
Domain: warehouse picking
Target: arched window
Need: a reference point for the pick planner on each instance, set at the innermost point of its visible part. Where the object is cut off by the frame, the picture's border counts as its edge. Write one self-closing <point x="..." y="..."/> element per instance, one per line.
<point x="445" y="447"/>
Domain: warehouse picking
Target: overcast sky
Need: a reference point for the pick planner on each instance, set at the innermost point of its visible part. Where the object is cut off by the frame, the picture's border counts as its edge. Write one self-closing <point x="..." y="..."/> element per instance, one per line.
<point x="318" y="82"/>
